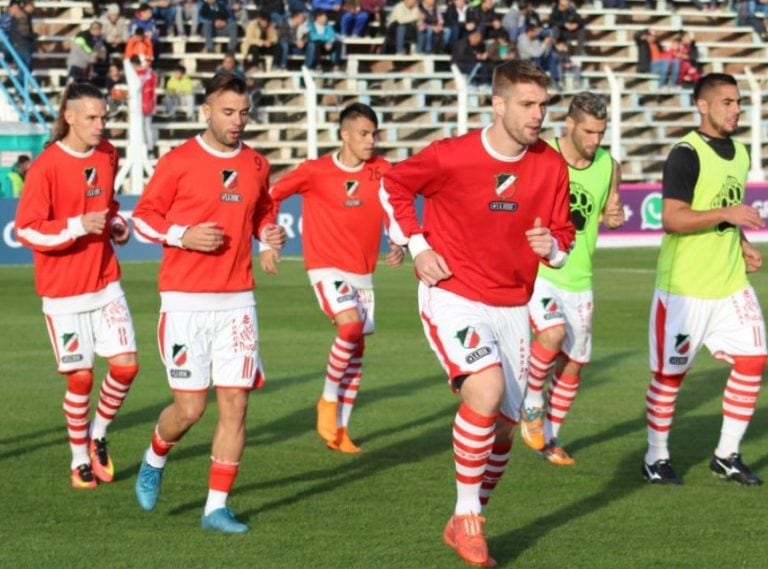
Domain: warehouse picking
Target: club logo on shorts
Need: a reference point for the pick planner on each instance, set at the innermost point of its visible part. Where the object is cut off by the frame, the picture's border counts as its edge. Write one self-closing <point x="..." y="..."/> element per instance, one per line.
<point x="90" y="180"/>
<point x="344" y="292"/>
<point x="179" y="354"/>
<point x="682" y="346"/>
<point x="229" y="181"/>
<point x="468" y="337"/>
<point x="70" y="341"/>
<point x="551" y="309"/>
<point x="350" y="188"/>
<point x="505" y="189"/>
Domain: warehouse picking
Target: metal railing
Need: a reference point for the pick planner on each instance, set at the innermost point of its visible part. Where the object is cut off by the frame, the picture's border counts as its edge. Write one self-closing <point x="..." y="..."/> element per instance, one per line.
<point x="24" y="85"/>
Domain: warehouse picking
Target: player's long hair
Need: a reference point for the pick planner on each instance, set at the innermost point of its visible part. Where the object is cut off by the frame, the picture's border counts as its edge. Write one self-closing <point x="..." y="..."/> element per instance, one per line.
<point x="517" y="71"/>
<point x="73" y="92"/>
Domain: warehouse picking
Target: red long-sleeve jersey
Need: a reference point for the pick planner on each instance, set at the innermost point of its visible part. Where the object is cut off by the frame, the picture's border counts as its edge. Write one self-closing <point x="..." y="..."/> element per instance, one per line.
<point x="342" y="218"/>
<point x="478" y="206"/>
<point x="195" y="184"/>
<point x="59" y="188"/>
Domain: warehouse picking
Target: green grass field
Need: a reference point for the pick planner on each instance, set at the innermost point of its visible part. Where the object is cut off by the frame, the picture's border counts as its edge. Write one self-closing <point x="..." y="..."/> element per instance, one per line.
<point x="385" y="508"/>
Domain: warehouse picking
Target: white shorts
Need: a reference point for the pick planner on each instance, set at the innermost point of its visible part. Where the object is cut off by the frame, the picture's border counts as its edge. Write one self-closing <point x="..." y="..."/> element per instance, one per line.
<point x="218" y="347"/>
<point x="680" y="326"/>
<point x="468" y="337"/>
<point x="77" y="338"/>
<point x="335" y="294"/>
<point x="552" y="306"/>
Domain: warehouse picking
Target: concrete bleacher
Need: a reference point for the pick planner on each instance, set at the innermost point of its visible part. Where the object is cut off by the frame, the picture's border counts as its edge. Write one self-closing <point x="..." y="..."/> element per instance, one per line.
<point x="415" y="95"/>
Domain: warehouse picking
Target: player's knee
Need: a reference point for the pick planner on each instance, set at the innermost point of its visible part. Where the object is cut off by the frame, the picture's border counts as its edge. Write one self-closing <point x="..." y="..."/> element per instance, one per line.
<point x="80" y="381"/>
<point x="750" y="365"/>
<point x="351" y="332"/>
<point x="123" y="374"/>
<point x="190" y="414"/>
<point x="552" y="338"/>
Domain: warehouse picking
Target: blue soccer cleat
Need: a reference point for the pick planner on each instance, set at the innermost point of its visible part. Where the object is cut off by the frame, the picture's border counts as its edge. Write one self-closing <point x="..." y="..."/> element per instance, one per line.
<point x="148" y="485"/>
<point x="222" y="520"/>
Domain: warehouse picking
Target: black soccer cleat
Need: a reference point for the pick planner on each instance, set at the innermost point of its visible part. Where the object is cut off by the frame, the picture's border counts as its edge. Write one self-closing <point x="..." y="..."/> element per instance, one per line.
<point x="661" y="472"/>
<point x="732" y="468"/>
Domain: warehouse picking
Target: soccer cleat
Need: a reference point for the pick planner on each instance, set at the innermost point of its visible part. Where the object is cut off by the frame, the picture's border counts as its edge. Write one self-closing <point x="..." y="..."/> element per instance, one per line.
<point x="661" y="472"/>
<point x="343" y="443"/>
<point x="82" y="478"/>
<point x="101" y="463"/>
<point x="148" y="485"/>
<point x="326" y="420"/>
<point x="556" y="454"/>
<point x="732" y="468"/>
<point x="532" y="427"/>
<point x="222" y="520"/>
<point x="465" y="535"/>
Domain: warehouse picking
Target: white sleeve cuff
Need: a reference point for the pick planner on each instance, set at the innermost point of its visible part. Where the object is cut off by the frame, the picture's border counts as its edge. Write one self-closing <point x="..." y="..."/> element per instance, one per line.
<point x="417" y="244"/>
<point x="75" y="227"/>
<point x="556" y="258"/>
<point x="175" y="233"/>
<point x="263" y="247"/>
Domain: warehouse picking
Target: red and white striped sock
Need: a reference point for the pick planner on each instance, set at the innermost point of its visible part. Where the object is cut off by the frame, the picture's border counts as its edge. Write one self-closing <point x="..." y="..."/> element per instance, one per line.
<point x="739" y="402"/>
<point x="338" y="361"/>
<point x="221" y="478"/>
<point x="76" y="411"/>
<point x="157" y="453"/>
<point x="473" y="438"/>
<point x="542" y="361"/>
<point x="495" y="469"/>
<point x="660" y="400"/>
<point x="562" y="392"/>
<point x="350" y="385"/>
<point x="111" y="396"/>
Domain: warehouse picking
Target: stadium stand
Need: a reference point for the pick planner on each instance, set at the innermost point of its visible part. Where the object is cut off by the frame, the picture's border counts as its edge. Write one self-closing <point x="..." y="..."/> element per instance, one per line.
<point x="416" y="94"/>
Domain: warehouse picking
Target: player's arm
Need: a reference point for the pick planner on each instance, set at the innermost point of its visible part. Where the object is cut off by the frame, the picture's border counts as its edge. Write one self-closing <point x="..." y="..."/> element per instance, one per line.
<point x="397" y="192"/>
<point x="613" y="212"/>
<point x="554" y="240"/>
<point x="681" y="172"/>
<point x="752" y="257"/>
<point x="35" y="227"/>
<point x="150" y="216"/>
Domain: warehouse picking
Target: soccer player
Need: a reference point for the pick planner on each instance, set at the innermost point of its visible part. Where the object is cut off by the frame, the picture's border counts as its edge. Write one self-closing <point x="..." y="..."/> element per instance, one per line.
<point x="68" y="216"/>
<point x="702" y="296"/>
<point x="561" y="306"/>
<point x="495" y="205"/>
<point x="205" y="202"/>
<point x="342" y="225"/>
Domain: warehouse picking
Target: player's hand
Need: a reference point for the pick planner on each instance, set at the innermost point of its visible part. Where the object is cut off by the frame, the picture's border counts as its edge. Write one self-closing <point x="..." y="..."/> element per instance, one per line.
<point x="94" y="221"/>
<point x="431" y="267"/>
<point x="120" y="232"/>
<point x="539" y="238"/>
<point x="613" y="215"/>
<point x="274" y="236"/>
<point x="268" y="259"/>
<point x="395" y="255"/>
<point x="743" y="215"/>
<point x="205" y="237"/>
<point x="752" y="257"/>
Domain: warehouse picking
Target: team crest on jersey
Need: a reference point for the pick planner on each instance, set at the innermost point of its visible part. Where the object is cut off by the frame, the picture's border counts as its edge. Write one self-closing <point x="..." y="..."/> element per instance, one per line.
<point x="230" y="183"/>
<point x="70" y="341"/>
<point x="350" y="188"/>
<point x="582" y="206"/>
<point x="505" y="189"/>
<point x="179" y="354"/>
<point x="731" y="194"/>
<point x="91" y="178"/>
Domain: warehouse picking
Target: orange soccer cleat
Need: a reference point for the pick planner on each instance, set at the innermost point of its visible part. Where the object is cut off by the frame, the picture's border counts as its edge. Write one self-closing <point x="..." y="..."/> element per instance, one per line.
<point x="532" y="427"/>
<point x="82" y="478"/>
<point x="556" y="454"/>
<point x="465" y="534"/>
<point x="343" y="443"/>
<point x="101" y="463"/>
<point x="326" y="421"/>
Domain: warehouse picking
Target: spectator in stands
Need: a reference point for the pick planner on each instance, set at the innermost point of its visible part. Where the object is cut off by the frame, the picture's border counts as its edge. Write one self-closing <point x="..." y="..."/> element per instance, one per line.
<point x="746" y="16"/>
<point x="501" y="49"/>
<point x="148" y="79"/>
<point x="180" y="93"/>
<point x="164" y="11"/>
<point x="14" y="179"/>
<point x="565" y="22"/>
<point x="140" y="45"/>
<point x="322" y="40"/>
<point x="21" y="32"/>
<point x="217" y="20"/>
<point x="274" y="9"/>
<point x="187" y="13"/>
<point x="353" y="19"/>
<point x="470" y="56"/>
<point x="514" y="21"/>
<point x="431" y="35"/>
<point x="661" y="62"/>
<point x="98" y="5"/>
<point x="563" y="67"/>
<point x="483" y="16"/>
<point x="530" y="16"/>
<point x="114" y="29"/>
<point x="332" y="9"/>
<point x="403" y="21"/>
<point x="292" y="37"/>
<point x="143" y="19"/>
<point x="496" y="30"/>
<point x="375" y="11"/>
<point x="690" y="68"/>
<point x="229" y="65"/>
<point x="239" y="14"/>
<point x="260" y="40"/>
<point x="531" y="46"/>
<point x="457" y="19"/>
<point x="117" y="91"/>
<point x="87" y="52"/>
